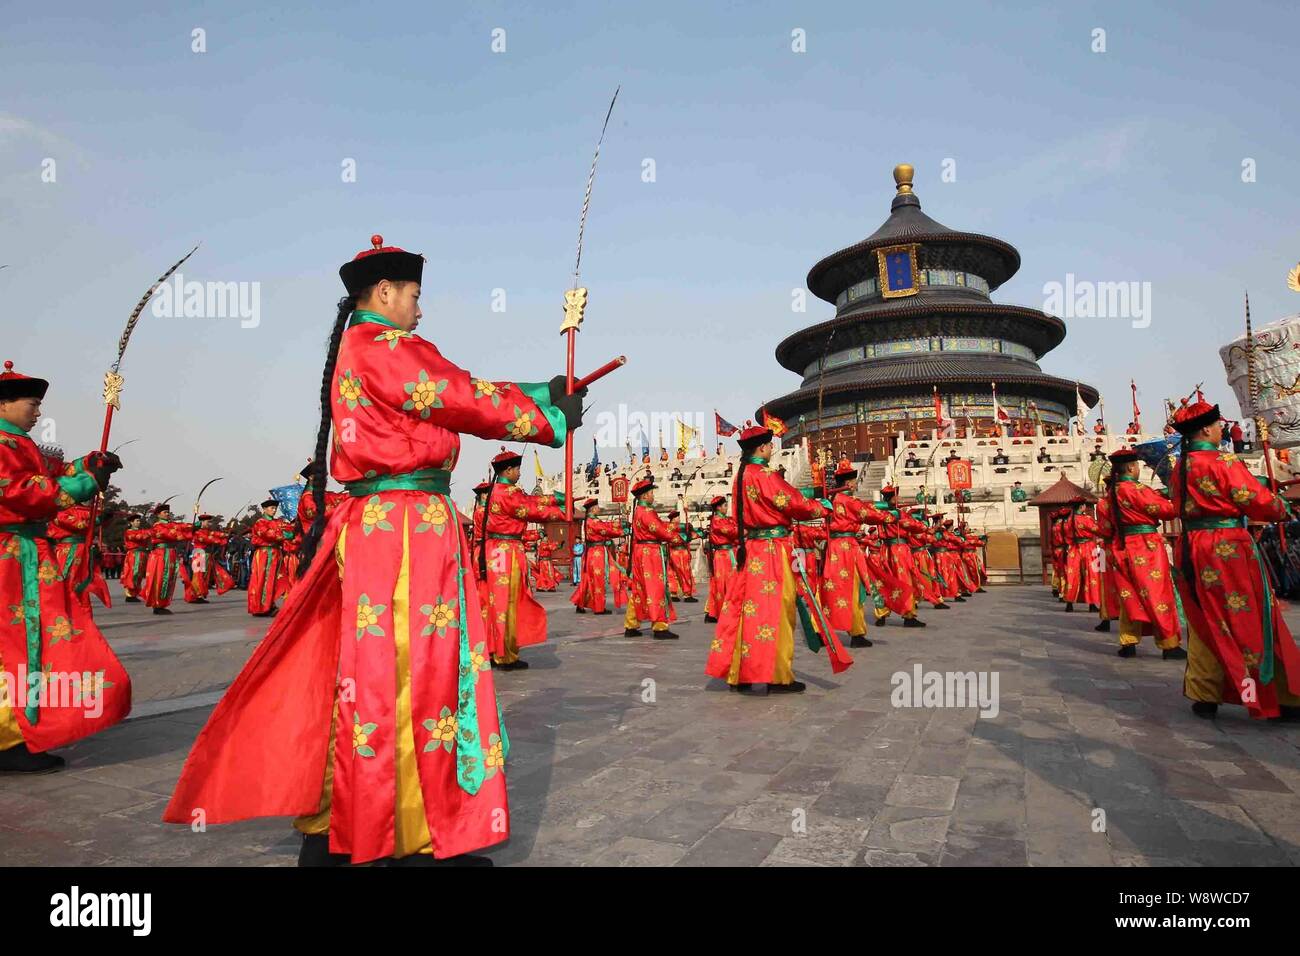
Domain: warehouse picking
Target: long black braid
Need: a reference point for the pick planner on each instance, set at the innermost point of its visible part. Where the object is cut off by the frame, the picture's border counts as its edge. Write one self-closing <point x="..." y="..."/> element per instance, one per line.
<point x="1117" y="531"/>
<point x="738" y="495"/>
<point x="487" y="512"/>
<point x="320" y="475"/>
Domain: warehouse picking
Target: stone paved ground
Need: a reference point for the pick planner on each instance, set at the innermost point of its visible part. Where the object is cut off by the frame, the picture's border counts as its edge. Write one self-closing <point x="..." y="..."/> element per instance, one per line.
<point x="601" y="774"/>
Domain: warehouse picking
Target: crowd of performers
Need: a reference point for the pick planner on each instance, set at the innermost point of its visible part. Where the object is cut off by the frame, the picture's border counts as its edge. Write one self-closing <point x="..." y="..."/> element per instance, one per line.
<point x="1212" y="602"/>
<point x="369" y="711"/>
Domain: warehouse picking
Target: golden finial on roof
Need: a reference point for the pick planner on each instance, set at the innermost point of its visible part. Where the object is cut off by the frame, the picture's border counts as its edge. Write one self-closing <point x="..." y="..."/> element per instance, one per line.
<point x="903" y="177"/>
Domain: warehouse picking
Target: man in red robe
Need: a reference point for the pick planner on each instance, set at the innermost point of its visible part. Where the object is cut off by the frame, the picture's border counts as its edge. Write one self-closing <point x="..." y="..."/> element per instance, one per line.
<point x="266" y="536"/>
<point x="896" y="555"/>
<point x="205" y="568"/>
<point x="598" y="550"/>
<point x="649" y="567"/>
<point x="1137" y="564"/>
<point x="926" y="580"/>
<point x="62" y="681"/>
<point x="513" y="616"/>
<point x="548" y="579"/>
<point x="754" y="639"/>
<point x="392" y="747"/>
<point x="682" y="579"/>
<point x="721" y="542"/>
<point x="163" y="567"/>
<point x="137" y="540"/>
<point x="852" y="579"/>
<point x="1239" y="648"/>
<point x="1082" y="565"/>
<point x="68" y="532"/>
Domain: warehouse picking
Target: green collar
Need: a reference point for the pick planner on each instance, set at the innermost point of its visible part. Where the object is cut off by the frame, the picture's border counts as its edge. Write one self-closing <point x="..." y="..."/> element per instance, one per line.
<point x="503" y="480"/>
<point x="1201" y="446"/>
<point x="364" y="316"/>
<point x="11" y="428"/>
<point x="754" y="460"/>
<point x="1132" y="478"/>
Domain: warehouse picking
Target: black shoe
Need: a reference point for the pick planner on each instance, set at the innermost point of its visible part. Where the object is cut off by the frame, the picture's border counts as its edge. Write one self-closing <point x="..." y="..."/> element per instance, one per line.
<point x="960" y="599"/>
<point x="602" y="612"/>
<point x="1287" y="715"/>
<point x="1205" y="709"/>
<point x="1069" y="606"/>
<point x="691" y="600"/>
<point x="980" y="591"/>
<point x="1128" y="650"/>
<point x="516" y="665"/>
<point x="912" y="622"/>
<point x="1093" y="608"/>
<point x="665" y="635"/>
<point x="1174" y="654"/>
<point x="1104" y="627"/>
<point x="710" y="619"/>
<point x="132" y="600"/>
<point x="631" y="632"/>
<point x="943" y="607"/>
<point x="859" y="640"/>
<point x="316" y="852"/>
<point x="880" y="621"/>
<point x="794" y="687"/>
<point x="162" y="610"/>
<point x="200" y="601"/>
<point x="21" y="760"/>
<point x="742" y="688"/>
<point x="579" y="610"/>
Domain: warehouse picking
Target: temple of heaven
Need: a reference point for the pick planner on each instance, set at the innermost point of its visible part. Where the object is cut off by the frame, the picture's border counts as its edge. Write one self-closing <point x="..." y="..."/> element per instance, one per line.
<point x="913" y="318"/>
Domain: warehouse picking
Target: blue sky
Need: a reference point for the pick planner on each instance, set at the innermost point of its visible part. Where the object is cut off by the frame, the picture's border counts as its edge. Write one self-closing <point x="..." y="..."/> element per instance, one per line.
<point x="1115" y="166"/>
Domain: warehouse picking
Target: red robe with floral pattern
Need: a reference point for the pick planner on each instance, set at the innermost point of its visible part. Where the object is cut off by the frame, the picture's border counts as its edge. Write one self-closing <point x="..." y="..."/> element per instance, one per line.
<point x="267" y="537"/>
<point x="384" y="631"/>
<point x="754" y="638"/>
<point x="68" y="532"/>
<point x="1082" y="564"/>
<point x="853" y="579"/>
<point x="137" y="541"/>
<point x="163" y="566"/>
<point x="650" y="571"/>
<point x="514" y="618"/>
<point x="547" y="577"/>
<point x="682" y="579"/>
<point x="205" y="568"/>
<point x="1229" y="602"/>
<point x="1137" y="563"/>
<point x="806" y="555"/>
<point x="926" y="582"/>
<point x="722" y="560"/>
<point x="590" y="592"/>
<point x="47" y="630"/>
<point x="896" y="555"/>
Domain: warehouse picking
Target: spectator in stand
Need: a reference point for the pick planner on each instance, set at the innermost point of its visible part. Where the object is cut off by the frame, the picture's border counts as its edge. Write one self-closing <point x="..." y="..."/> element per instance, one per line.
<point x="1043" y="456"/>
<point x="1001" y="458"/>
<point x="1019" y="494"/>
<point x="1099" y="428"/>
<point x="1097" y="452"/>
<point x="1238" y="438"/>
<point x="1132" y="429"/>
<point x="912" y="461"/>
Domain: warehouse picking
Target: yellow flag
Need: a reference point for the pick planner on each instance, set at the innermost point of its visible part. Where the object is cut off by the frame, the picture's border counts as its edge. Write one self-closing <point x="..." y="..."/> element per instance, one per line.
<point x="537" y="460"/>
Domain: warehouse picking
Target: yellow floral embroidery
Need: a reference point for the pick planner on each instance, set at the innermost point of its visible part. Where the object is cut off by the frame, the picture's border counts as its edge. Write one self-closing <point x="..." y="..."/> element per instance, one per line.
<point x="766" y="633"/>
<point x="1225" y="549"/>
<point x="495" y="759"/>
<point x="1209" y="576"/>
<point x="1237" y="602"/>
<point x="750" y="608"/>
<point x="1242" y="495"/>
<point x="781" y="499"/>
<point x="47" y="573"/>
<point x="1208" y="485"/>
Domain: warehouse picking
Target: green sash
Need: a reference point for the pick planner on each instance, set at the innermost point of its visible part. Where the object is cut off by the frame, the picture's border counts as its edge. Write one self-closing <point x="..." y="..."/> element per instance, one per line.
<point x="28" y="564"/>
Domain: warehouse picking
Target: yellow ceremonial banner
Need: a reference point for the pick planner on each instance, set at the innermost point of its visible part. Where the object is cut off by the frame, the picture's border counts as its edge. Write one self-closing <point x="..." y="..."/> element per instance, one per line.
<point x="537" y="460"/>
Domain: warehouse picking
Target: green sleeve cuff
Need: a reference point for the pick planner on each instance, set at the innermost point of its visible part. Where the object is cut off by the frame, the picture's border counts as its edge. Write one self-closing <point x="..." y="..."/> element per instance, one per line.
<point x="80" y="486"/>
<point x="540" y="393"/>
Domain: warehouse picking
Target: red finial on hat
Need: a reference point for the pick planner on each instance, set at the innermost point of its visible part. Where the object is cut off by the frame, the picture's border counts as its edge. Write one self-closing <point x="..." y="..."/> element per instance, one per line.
<point x="9" y="365"/>
<point x="377" y="241"/>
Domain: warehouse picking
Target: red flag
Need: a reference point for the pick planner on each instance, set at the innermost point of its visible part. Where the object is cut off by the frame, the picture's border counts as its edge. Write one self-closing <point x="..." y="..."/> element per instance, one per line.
<point x="774" y="424"/>
<point x="723" y="427"/>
